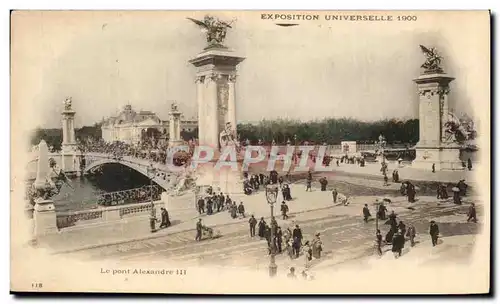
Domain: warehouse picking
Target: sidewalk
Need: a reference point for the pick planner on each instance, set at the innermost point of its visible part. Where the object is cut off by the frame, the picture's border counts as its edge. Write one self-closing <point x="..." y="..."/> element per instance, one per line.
<point x="183" y="217"/>
<point x="406" y="173"/>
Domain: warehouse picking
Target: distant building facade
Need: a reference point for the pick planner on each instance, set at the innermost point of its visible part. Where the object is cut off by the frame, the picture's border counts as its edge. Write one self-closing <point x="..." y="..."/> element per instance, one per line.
<point x="133" y="127"/>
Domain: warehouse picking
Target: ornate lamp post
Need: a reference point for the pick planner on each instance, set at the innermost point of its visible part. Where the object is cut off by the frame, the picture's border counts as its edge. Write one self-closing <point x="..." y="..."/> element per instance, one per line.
<point x="151" y="172"/>
<point x="271" y="196"/>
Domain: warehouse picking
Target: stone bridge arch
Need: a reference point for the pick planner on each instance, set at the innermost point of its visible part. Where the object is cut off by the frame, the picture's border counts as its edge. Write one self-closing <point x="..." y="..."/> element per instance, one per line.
<point x="94" y="161"/>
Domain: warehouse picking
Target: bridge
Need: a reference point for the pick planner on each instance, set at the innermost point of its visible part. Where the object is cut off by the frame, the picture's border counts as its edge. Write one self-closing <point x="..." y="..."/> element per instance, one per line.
<point x="162" y="175"/>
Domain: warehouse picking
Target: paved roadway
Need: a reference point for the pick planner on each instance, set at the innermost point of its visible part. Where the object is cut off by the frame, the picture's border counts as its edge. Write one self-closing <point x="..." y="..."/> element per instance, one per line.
<point x="345" y="237"/>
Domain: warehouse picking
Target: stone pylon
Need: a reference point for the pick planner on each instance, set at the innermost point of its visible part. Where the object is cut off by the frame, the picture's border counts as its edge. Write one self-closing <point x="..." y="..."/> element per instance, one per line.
<point x="216" y="96"/>
<point x="433" y="148"/>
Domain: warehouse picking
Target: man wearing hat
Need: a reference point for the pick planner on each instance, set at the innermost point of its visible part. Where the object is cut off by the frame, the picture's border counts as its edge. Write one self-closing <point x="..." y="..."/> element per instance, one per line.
<point x="366" y="213"/>
<point x="472" y="213"/>
<point x="284" y="210"/>
<point x="297" y="240"/>
<point x="434" y="232"/>
<point x="317" y="246"/>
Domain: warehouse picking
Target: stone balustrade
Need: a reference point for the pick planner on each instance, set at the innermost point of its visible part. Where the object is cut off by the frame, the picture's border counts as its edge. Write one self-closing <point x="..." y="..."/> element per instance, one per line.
<point x="104" y="214"/>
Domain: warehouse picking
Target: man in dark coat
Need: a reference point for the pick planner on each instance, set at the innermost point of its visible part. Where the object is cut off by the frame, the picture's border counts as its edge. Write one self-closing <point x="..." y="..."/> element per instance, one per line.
<point x="284" y="210"/>
<point x="456" y="198"/>
<point x="334" y="195"/>
<point x="366" y="213"/>
<point x="262" y="228"/>
<point x="210" y="209"/>
<point x="324" y="182"/>
<point x="398" y="244"/>
<point x="252" y="222"/>
<point x="392" y="220"/>
<point x="472" y="213"/>
<point x="199" y="228"/>
<point x="241" y="209"/>
<point x="462" y="186"/>
<point x="279" y="239"/>
<point x="297" y="240"/>
<point x="434" y="232"/>
<point x="201" y="205"/>
<point x="165" y="221"/>
<point x="382" y="209"/>
<point x="402" y="227"/>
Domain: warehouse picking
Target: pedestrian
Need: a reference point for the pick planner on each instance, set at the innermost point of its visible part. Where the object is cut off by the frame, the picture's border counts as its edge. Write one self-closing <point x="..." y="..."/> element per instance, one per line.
<point x="379" y="242"/>
<point x="199" y="228"/>
<point x="234" y="210"/>
<point x="392" y="220"/>
<point x="472" y="213"/>
<point x="297" y="240"/>
<point x="402" y="228"/>
<point x="252" y="222"/>
<point x="165" y="220"/>
<point x="456" y="196"/>
<point x="307" y="251"/>
<point x="462" y="186"/>
<point x="308" y="185"/>
<point x="366" y="213"/>
<point x="284" y="210"/>
<point x="334" y="195"/>
<point x="434" y="232"/>
<point x="433" y="168"/>
<point x="201" y="205"/>
<point x="241" y="210"/>
<point x="411" y="233"/>
<point x="386" y="180"/>
<point x="382" y="209"/>
<point x="324" y="182"/>
<point x="279" y="239"/>
<point x="262" y="228"/>
<point x="317" y="246"/>
<point x="398" y="244"/>
<point x="469" y="164"/>
<point x="291" y="274"/>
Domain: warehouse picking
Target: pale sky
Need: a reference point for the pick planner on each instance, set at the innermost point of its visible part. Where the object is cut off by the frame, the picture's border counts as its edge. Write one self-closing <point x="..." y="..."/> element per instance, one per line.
<point x="364" y="70"/>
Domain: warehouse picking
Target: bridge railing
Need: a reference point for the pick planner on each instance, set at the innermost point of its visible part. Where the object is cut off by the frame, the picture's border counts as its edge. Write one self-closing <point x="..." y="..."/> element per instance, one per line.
<point x="126" y="197"/>
<point x="66" y="220"/>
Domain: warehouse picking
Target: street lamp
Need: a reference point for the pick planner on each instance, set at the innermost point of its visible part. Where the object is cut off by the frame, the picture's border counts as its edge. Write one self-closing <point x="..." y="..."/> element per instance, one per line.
<point x="272" y="196"/>
<point x="151" y="172"/>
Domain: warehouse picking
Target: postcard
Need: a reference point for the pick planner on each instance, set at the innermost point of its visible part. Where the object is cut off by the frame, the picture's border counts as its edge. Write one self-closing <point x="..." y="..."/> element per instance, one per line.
<point x="250" y="152"/>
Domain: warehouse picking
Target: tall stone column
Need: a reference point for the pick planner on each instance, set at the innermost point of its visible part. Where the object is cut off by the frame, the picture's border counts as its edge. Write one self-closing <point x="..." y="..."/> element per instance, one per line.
<point x="201" y="107"/>
<point x="68" y="127"/>
<point x="216" y="70"/>
<point x="231" y="102"/>
<point x="434" y="148"/>
<point x="174" y="127"/>
<point x="212" y="113"/>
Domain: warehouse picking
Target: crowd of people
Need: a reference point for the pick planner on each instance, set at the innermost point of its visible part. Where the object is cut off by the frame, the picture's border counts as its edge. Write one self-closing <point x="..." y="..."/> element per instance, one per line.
<point x="142" y="150"/>
<point x="132" y="196"/>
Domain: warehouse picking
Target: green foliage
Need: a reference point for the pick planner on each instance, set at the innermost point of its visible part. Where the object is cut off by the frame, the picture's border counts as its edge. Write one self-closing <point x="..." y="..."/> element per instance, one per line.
<point x="330" y="130"/>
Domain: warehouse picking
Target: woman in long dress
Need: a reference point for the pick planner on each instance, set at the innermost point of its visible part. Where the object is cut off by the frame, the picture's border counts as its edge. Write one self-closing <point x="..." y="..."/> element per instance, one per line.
<point x="307" y="251"/>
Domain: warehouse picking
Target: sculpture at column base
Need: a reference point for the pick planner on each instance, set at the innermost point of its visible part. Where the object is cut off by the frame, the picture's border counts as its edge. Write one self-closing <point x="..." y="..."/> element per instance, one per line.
<point x="443" y="158"/>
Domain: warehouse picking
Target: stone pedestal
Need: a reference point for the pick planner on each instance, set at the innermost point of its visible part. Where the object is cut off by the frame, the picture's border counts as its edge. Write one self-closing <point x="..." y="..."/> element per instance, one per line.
<point x="44" y="217"/>
<point x="432" y="148"/>
<point x="215" y="85"/>
<point x="229" y="181"/>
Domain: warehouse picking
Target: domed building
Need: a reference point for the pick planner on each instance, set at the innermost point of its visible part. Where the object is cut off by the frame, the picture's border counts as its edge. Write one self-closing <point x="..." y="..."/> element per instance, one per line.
<point x="133" y="127"/>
